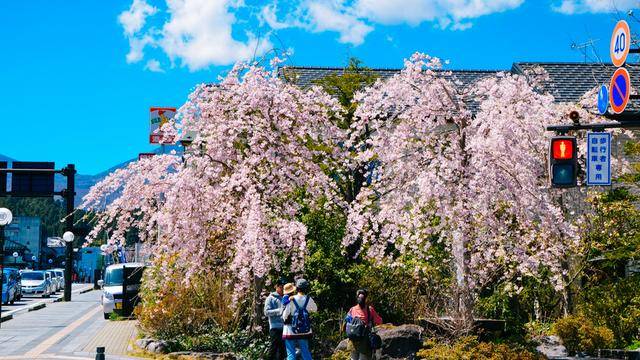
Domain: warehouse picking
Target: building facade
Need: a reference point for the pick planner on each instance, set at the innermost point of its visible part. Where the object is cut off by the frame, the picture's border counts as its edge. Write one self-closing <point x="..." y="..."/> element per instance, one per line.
<point x="24" y="237"/>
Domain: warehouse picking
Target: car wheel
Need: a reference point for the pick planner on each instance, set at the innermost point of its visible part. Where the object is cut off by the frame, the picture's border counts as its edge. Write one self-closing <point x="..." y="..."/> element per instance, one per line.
<point x="107" y="316"/>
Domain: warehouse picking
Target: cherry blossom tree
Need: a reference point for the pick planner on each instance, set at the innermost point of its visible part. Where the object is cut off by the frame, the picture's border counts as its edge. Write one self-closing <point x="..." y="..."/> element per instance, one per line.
<point x="477" y="183"/>
<point x="230" y="204"/>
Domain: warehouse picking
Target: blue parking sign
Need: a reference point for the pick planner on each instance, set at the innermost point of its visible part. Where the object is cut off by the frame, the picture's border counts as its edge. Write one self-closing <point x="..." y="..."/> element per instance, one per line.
<point x="598" y="158"/>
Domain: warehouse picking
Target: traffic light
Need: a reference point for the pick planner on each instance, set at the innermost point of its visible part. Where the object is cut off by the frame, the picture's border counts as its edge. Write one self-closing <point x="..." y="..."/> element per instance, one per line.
<point x="563" y="164"/>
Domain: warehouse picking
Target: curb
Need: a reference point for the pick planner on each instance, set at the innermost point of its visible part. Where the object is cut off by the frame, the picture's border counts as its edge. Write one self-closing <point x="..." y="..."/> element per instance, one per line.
<point x="6" y="317"/>
<point x="84" y="291"/>
<point x="37" y="306"/>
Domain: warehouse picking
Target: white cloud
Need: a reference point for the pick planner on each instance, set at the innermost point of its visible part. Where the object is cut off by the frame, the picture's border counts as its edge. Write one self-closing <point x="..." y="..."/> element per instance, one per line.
<point x="268" y="15"/>
<point x="461" y="26"/>
<point x="153" y="65"/>
<point x="330" y="17"/>
<point x="570" y="7"/>
<point x="197" y="33"/>
<point x="136" y="48"/>
<point x="318" y="16"/>
<point x="353" y="20"/>
<point x="133" y="20"/>
<point x="415" y="12"/>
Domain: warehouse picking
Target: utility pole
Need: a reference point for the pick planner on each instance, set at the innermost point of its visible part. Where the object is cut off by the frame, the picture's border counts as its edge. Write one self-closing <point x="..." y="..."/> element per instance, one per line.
<point x="5" y="219"/>
<point x="69" y="195"/>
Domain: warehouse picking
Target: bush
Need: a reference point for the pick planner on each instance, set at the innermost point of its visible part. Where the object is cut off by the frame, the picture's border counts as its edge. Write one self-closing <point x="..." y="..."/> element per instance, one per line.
<point x="468" y="348"/>
<point x="615" y="305"/>
<point x="580" y="334"/>
<point x="243" y="344"/>
<point x="171" y="308"/>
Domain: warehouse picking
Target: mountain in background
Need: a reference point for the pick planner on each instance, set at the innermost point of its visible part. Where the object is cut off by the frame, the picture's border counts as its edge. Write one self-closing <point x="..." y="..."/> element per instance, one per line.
<point x="85" y="182"/>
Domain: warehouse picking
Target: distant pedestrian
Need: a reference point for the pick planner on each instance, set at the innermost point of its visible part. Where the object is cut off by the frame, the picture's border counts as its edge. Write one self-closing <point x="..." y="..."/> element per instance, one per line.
<point x="360" y="321"/>
<point x="273" y="309"/>
<point x="297" y="324"/>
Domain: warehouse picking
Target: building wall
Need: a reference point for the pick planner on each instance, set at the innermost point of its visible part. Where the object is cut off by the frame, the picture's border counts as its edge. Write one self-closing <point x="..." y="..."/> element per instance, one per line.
<point x="24" y="236"/>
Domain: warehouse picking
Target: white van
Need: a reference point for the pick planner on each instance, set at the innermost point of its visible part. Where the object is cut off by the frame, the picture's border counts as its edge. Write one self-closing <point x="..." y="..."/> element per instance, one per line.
<point x="112" y="286"/>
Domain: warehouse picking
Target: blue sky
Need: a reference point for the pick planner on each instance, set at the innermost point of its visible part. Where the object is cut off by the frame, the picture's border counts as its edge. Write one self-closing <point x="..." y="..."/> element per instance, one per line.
<point x="78" y="77"/>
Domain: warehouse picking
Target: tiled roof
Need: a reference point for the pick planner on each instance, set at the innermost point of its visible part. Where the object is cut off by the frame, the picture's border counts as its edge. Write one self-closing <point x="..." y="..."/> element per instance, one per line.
<point x="569" y="81"/>
<point x="306" y="75"/>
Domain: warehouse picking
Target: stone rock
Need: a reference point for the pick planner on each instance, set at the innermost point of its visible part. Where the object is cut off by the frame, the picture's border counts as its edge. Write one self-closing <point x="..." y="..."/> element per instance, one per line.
<point x="158" y="347"/>
<point x="398" y="342"/>
<point x="551" y="347"/>
<point x="201" y="355"/>
<point x="143" y="343"/>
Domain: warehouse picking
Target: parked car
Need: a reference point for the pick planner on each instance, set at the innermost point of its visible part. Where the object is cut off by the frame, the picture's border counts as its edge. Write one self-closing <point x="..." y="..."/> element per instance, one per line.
<point x="8" y="289"/>
<point x="36" y="282"/>
<point x="15" y="273"/>
<point x="55" y="286"/>
<point x="112" y="286"/>
<point x="60" y="275"/>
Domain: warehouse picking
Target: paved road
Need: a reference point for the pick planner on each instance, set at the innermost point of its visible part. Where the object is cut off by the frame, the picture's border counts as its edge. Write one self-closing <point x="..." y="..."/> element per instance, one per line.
<point x="28" y="301"/>
<point x="65" y="330"/>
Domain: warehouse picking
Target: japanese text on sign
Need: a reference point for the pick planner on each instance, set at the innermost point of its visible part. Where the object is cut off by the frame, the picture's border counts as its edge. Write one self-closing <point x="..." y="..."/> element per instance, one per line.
<point x="599" y="158"/>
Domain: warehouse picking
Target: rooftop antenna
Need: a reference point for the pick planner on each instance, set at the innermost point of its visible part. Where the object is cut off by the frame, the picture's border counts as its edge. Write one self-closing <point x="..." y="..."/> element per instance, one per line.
<point x="582" y="48"/>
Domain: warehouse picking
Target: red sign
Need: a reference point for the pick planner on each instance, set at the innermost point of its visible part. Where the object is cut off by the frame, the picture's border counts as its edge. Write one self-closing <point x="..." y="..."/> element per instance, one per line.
<point x="619" y="90"/>
<point x="562" y="149"/>
<point x="145" y="155"/>
<point x="158" y="117"/>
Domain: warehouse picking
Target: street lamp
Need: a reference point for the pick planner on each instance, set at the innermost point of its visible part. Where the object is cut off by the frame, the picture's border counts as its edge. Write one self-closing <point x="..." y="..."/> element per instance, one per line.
<point x="5" y="219"/>
<point x="68" y="238"/>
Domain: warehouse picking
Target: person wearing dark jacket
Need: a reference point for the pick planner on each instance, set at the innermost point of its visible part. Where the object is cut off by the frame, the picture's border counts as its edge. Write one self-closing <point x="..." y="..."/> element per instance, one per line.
<point x="273" y="311"/>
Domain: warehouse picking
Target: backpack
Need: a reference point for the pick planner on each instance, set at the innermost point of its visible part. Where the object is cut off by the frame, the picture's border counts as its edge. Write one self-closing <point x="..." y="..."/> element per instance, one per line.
<point x="301" y="323"/>
<point x="356" y="329"/>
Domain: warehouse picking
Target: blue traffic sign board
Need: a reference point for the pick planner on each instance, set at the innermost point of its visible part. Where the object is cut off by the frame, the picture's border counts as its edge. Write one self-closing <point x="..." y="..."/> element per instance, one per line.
<point x="598" y="158"/>
<point x="603" y="99"/>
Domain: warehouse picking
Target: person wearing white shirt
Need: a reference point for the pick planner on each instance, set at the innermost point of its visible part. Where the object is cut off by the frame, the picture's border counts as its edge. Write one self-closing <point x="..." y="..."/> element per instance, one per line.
<point x="293" y="339"/>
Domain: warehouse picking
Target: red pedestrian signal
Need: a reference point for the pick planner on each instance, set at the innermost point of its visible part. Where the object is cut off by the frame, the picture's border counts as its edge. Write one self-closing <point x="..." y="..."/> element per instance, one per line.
<point x="563" y="164"/>
<point x="562" y="149"/>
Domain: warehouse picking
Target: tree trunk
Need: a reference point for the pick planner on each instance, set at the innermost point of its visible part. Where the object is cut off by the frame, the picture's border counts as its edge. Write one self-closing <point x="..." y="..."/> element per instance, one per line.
<point x="258" y="302"/>
<point x="464" y="298"/>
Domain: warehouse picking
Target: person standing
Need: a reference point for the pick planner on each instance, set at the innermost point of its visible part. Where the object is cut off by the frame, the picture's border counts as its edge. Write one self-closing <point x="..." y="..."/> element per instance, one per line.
<point x="360" y="320"/>
<point x="297" y="324"/>
<point x="273" y="308"/>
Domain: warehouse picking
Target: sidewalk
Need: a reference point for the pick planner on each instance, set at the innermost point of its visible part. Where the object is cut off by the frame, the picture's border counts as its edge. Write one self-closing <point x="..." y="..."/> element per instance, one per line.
<point x="34" y="303"/>
<point x="66" y="330"/>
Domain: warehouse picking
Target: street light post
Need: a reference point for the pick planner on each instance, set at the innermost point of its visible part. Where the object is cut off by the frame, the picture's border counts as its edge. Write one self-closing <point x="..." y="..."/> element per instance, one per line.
<point x="69" y="195"/>
<point x="5" y="219"/>
<point x="68" y="239"/>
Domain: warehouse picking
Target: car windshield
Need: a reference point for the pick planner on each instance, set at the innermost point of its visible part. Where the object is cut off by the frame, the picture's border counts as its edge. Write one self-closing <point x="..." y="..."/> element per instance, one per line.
<point x="59" y="273"/>
<point x="32" y="276"/>
<point x="114" y="276"/>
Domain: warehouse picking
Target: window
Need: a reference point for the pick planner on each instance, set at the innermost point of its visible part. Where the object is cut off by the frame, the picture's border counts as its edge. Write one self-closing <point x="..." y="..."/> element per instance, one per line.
<point x="32" y="276"/>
